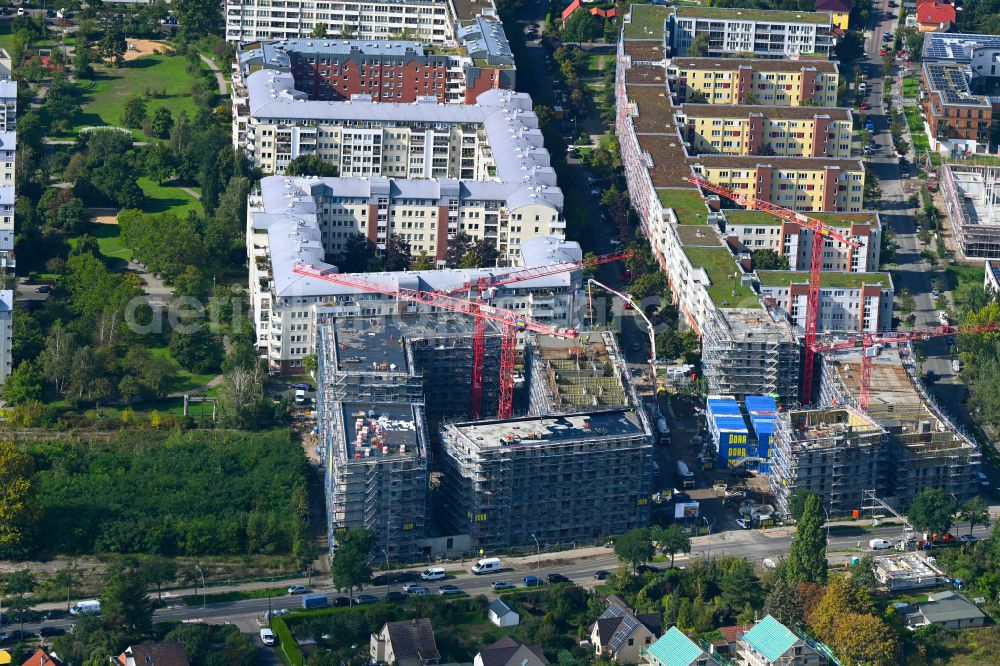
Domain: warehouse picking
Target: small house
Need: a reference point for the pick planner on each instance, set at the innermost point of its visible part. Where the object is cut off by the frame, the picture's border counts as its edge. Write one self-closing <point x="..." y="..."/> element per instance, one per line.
<point x="948" y="609"/>
<point x="675" y="649"/>
<point x="407" y="643"/>
<point x="508" y="651"/>
<point x="40" y="658"/>
<point x="621" y="635"/>
<point x="152" y="654"/>
<point x="770" y="643"/>
<point x="502" y="615"/>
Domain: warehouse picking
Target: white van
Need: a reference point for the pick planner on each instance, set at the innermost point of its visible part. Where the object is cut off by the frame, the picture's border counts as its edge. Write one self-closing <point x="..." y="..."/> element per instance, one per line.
<point x="880" y="544"/>
<point x="267" y="636"/>
<point x="434" y="573"/>
<point x="300" y="397"/>
<point x="92" y="607"/>
<point x="486" y="565"/>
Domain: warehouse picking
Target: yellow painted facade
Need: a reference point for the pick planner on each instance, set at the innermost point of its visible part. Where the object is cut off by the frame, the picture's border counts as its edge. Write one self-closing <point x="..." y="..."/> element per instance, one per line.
<point x="800" y="188"/>
<point x="788" y="138"/>
<point x="769" y="88"/>
<point x="840" y="19"/>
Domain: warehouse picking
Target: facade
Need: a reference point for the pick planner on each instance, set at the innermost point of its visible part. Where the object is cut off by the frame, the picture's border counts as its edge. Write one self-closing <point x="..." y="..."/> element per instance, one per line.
<point x="6" y="333"/>
<point x="855" y="302"/>
<point x="840" y="11"/>
<point x="675" y="649"/>
<point x="728" y="431"/>
<point x="972" y="201"/>
<point x="405" y="643"/>
<point x="793" y="131"/>
<point x="755" y="81"/>
<point x="508" y="483"/>
<point x="770" y="643"/>
<point x="501" y="615"/>
<point x="756" y="230"/>
<point x="508" y="651"/>
<point x="959" y="121"/>
<point x="764" y="33"/>
<point x="622" y="635"/>
<point x="947" y="609"/>
<point x="388" y="71"/>
<point x="802" y="183"/>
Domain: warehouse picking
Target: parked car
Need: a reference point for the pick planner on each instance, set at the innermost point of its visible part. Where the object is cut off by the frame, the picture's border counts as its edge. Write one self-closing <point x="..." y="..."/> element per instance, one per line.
<point x="364" y="599"/>
<point x="449" y="589"/>
<point x="968" y="538"/>
<point x="498" y="585"/>
<point x="532" y="581"/>
<point x="647" y="568"/>
<point x="395" y="596"/>
<point x="297" y="589"/>
<point x="301" y="387"/>
<point x="409" y="587"/>
<point x="743" y="523"/>
<point x="600" y="574"/>
<point x="267" y="636"/>
<point x="47" y="632"/>
<point x="880" y="544"/>
<point x="416" y="589"/>
<point x="556" y="578"/>
<point x="865" y="106"/>
<point x="340" y="602"/>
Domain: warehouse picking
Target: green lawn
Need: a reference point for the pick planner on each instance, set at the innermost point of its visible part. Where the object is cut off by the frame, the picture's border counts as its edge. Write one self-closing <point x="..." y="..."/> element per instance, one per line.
<point x="648" y="22"/>
<point x="167" y="199"/>
<point x="916" y="123"/>
<point x="109" y="239"/>
<point x="185" y="380"/>
<point x="688" y="205"/>
<point x="225" y="597"/>
<point x="910" y="87"/>
<point x="104" y="96"/>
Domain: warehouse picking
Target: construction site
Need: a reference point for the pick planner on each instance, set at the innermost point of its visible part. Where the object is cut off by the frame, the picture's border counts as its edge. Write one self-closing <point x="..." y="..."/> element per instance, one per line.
<point x="972" y="198"/>
<point x="926" y="450"/>
<point x="836" y="453"/>
<point x="559" y="479"/>
<point x="751" y="351"/>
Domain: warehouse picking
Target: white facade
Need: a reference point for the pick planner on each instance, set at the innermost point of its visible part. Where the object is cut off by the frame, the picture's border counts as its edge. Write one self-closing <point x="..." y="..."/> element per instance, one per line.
<point x="6" y="330"/>
<point x="863" y="306"/>
<point x="423" y="20"/>
<point x="767" y="34"/>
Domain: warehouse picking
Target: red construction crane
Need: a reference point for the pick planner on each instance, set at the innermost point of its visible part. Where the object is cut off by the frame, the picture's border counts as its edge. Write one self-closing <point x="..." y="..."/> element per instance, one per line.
<point x="821" y="232"/>
<point x="510" y="323"/>
<point x="484" y="283"/>
<point x="870" y="343"/>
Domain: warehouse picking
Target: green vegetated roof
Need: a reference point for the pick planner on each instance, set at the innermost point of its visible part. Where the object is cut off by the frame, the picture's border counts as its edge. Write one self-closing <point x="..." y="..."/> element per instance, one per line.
<point x="687" y="204"/>
<point x="647" y="22"/>
<point x="720" y="265"/>
<point x="820" y="18"/>
<point x="676" y="649"/>
<point x="740" y="216"/>
<point x="828" y="279"/>
<point x="771" y="638"/>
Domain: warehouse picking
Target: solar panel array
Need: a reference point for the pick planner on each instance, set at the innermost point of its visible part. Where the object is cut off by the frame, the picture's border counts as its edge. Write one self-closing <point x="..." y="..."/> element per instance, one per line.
<point x="955" y="47"/>
<point x="951" y="84"/>
<point x="625" y="630"/>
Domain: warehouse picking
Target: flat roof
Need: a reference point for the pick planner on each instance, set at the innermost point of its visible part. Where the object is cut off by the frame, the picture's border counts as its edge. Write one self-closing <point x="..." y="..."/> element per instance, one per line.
<point x="758" y="65"/>
<point x="737" y="216"/>
<point x="369" y="345"/>
<point x="829" y="280"/>
<point x="949" y="82"/>
<point x="687" y="203"/>
<point x="730" y="423"/>
<point x="646" y="22"/>
<point x="656" y="115"/>
<point x="646" y="75"/>
<point x="784" y="163"/>
<point x="532" y="431"/>
<point x="814" y="427"/>
<point x="380" y="430"/>
<point x="466" y="10"/>
<point x="957" y="47"/>
<point x="720" y="265"/>
<point x="773" y="112"/>
<point x="774" y="16"/>
<point x="698" y="235"/>
<point x="670" y="166"/>
<point x="645" y="50"/>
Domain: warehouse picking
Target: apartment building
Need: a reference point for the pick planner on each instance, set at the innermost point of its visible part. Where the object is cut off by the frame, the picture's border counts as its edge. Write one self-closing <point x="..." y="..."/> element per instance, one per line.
<point x="764" y="33"/>
<point x="6" y="333"/>
<point x="756" y="230"/>
<point x="293" y="221"/>
<point x="801" y="183"/>
<point x="959" y="120"/>
<point x="387" y="70"/>
<point x="854" y="302"/>
<point x="755" y="81"/>
<point x="8" y="149"/>
<point x="422" y="20"/>
<point x="791" y="131"/>
<point x="510" y="483"/>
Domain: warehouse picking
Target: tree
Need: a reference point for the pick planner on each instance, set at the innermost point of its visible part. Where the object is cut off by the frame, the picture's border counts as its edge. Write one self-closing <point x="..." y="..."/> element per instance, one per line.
<point x="199" y="351"/>
<point x="19" y="511"/>
<point x="784" y="602"/>
<point x="672" y="540"/>
<point x="975" y="511"/>
<point x="842" y="598"/>
<point x="807" y="558"/>
<point x="422" y="262"/>
<point x="191" y="282"/>
<point x="357" y="253"/>
<point x="318" y="31"/>
<point x="113" y="47"/>
<point x="699" y="46"/>
<point x="158" y="570"/>
<point x="863" y="573"/>
<point x="865" y="640"/>
<point x="124" y="603"/>
<point x="398" y="253"/>
<point x="581" y="26"/>
<point x="350" y="569"/>
<point x="311" y="165"/>
<point x="766" y="259"/>
<point x="932" y="511"/>
<point x="634" y="547"/>
<point x="797" y="502"/>
<point x="162" y="122"/>
<point x="73" y="216"/>
<point x="196" y="18"/>
<point x="243" y="402"/>
<point x="133" y="112"/>
<point x="57" y="357"/>
<point x="23" y="385"/>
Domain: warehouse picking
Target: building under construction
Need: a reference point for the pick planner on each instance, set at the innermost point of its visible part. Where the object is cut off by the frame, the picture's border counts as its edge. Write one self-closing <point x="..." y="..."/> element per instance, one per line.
<point x="836" y="453"/>
<point x="751" y="352"/>
<point x="556" y="479"/>
<point x="926" y="450"/>
<point x="971" y="194"/>
<point x="567" y="376"/>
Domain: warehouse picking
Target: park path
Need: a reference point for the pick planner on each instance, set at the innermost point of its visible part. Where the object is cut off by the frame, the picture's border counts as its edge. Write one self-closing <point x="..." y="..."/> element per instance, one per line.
<point x="223" y="86"/>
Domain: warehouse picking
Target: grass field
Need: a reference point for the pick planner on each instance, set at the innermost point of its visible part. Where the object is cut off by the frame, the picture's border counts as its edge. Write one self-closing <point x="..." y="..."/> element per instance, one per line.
<point x="224" y="597"/>
<point x="185" y="380"/>
<point x="910" y="87"/>
<point x="166" y="199"/>
<point x="104" y="96"/>
<point x="916" y="124"/>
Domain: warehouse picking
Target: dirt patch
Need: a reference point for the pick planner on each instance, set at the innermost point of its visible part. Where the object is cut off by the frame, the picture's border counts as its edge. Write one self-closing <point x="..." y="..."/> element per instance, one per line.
<point x="142" y="47"/>
<point x="104" y="215"/>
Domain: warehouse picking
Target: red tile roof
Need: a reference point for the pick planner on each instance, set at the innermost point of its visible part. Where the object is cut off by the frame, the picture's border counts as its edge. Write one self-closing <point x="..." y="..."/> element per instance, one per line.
<point x="41" y="658"/>
<point x="934" y="12"/>
<point x="573" y="6"/>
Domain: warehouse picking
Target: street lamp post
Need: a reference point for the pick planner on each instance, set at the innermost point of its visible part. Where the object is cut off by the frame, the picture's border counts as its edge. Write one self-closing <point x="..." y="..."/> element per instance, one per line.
<point x="386" y="571"/>
<point x="202" y="573"/>
<point x="827" y="545"/>
<point x="538" y="553"/>
<point x="709" y="526"/>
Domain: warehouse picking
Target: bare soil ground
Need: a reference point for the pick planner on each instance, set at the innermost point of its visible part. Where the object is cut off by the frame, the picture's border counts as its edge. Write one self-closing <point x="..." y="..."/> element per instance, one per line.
<point x="141" y="47"/>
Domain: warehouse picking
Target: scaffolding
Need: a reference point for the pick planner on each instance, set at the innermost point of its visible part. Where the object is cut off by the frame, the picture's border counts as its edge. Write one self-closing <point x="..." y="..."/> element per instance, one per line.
<point x="751" y="352"/>
<point x="972" y="199"/>
<point x="571" y="375"/>
<point x="836" y="453"/>
<point x="555" y="479"/>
